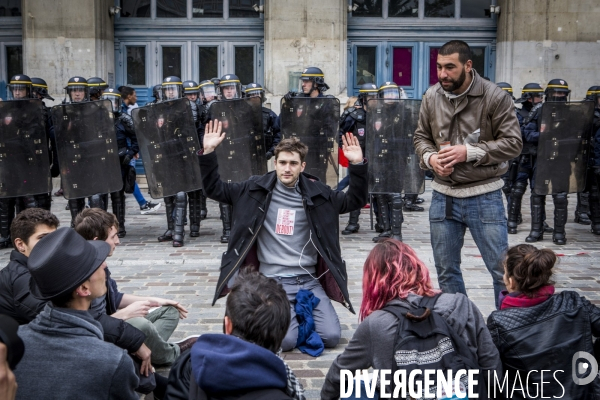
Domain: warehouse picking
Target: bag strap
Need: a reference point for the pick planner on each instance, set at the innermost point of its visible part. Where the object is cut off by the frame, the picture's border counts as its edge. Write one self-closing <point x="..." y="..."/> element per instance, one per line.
<point x="429" y="302"/>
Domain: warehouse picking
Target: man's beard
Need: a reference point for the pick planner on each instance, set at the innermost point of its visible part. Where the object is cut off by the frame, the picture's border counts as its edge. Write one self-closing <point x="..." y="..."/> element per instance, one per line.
<point x="455" y="83"/>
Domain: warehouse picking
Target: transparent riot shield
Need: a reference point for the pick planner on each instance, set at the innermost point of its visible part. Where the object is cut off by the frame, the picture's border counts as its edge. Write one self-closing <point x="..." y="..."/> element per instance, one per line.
<point x="169" y="145"/>
<point x="87" y="148"/>
<point x="393" y="163"/>
<point x="242" y="153"/>
<point x="315" y="121"/>
<point x="563" y="147"/>
<point x="24" y="160"/>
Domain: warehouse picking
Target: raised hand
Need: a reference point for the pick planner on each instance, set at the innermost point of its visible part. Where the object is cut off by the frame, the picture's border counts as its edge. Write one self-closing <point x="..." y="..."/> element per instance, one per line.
<point x="213" y="136"/>
<point x="351" y="148"/>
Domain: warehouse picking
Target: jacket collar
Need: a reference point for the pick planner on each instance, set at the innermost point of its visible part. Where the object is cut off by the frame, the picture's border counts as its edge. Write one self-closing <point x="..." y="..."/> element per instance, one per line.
<point x="19" y="257"/>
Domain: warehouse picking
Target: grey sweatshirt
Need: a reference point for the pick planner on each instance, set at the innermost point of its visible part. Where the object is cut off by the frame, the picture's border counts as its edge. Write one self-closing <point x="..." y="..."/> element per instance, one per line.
<point x="284" y="240"/>
<point x="66" y="358"/>
<point x="373" y="342"/>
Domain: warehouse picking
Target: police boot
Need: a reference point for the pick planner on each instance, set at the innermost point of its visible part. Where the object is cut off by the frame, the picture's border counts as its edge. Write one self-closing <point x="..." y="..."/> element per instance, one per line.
<point x="378" y="221"/>
<point x="560" y="218"/>
<point x="384" y="213"/>
<point x="118" y="208"/>
<point x="595" y="209"/>
<point x="353" y="225"/>
<point x="410" y="203"/>
<point x="203" y="209"/>
<point x="397" y="217"/>
<point x="169" y="208"/>
<point x="179" y="219"/>
<point x="44" y="201"/>
<point x="226" y="218"/>
<point x="7" y="213"/>
<point x="28" y="202"/>
<point x="75" y="206"/>
<point x="582" y="209"/>
<point x="99" y="201"/>
<point x="194" y="201"/>
<point x="514" y="206"/>
<point x="537" y="222"/>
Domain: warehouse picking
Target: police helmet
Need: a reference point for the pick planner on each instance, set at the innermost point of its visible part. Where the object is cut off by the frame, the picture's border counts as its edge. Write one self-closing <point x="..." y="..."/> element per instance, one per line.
<point x="40" y="88"/>
<point x="96" y="86"/>
<point x="217" y="83"/>
<point x="366" y="92"/>
<point x="114" y="97"/>
<point x="592" y="93"/>
<point x="207" y="90"/>
<point x="191" y="88"/>
<point x="255" y="90"/>
<point x="157" y="93"/>
<point x="316" y="76"/>
<point x="389" y="90"/>
<point x="77" y="89"/>
<point x="557" y="90"/>
<point x="530" y="91"/>
<point x="171" y="88"/>
<point x="19" y="87"/>
<point x="507" y="88"/>
<point x="230" y="87"/>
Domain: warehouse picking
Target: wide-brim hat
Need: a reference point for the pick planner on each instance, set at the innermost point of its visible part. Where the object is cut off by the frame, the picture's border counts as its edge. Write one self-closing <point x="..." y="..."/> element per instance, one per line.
<point x="63" y="260"/>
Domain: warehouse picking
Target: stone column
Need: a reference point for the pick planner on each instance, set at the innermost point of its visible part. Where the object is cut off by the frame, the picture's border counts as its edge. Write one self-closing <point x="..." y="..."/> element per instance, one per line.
<point x="66" y="38"/>
<point x="300" y="34"/>
<point x="540" y="40"/>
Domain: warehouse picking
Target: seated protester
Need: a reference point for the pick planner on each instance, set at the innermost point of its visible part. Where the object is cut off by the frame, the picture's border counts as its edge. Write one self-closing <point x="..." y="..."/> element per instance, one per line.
<point x="244" y="360"/>
<point x="394" y="275"/>
<point x="28" y="227"/>
<point x="65" y="354"/>
<point x="158" y="325"/>
<point x="537" y="329"/>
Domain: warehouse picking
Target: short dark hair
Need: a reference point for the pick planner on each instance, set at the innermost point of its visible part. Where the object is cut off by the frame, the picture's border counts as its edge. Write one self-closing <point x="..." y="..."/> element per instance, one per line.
<point x="259" y="310"/>
<point x="126" y="91"/>
<point x="63" y="300"/>
<point x="292" y="145"/>
<point x="530" y="267"/>
<point x="457" y="46"/>
<point x="94" y="223"/>
<point x="25" y="223"/>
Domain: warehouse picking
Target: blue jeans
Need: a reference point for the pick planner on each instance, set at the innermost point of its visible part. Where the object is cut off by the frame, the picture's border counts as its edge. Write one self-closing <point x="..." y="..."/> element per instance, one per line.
<point x="137" y="193"/>
<point x="343" y="183"/>
<point x="485" y="217"/>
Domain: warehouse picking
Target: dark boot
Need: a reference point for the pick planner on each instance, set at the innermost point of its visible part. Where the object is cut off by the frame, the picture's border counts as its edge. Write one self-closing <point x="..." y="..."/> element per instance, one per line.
<point x="397" y="217"/>
<point x="582" y="209"/>
<point x="28" y="202"/>
<point x="410" y="203"/>
<point x="560" y="218"/>
<point x="118" y="208"/>
<point x="75" y="206"/>
<point x="203" y="209"/>
<point x="537" y="214"/>
<point x="514" y="206"/>
<point x="378" y="221"/>
<point x="384" y="213"/>
<point x="226" y="211"/>
<point x="169" y="208"/>
<point x="44" y="201"/>
<point x="99" y="201"/>
<point x="595" y="208"/>
<point x="7" y="213"/>
<point x="353" y="225"/>
<point x="194" y="200"/>
<point x="179" y="218"/>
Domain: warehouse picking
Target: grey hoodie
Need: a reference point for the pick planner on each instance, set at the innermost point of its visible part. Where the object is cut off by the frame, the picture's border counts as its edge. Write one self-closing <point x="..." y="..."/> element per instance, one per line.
<point x="373" y="342"/>
<point x="66" y="358"/>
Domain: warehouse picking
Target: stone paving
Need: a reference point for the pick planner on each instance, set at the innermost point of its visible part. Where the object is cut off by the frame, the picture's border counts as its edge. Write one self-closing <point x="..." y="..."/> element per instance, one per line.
<point x="143" y="266"/>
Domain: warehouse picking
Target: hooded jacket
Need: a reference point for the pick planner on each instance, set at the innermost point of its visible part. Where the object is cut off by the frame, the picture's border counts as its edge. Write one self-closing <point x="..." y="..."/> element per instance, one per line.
<point x="66" y="358"/>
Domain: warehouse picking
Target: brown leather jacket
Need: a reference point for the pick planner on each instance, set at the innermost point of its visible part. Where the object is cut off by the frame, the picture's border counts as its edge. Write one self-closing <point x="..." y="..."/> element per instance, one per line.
<point x="485" y="107"/>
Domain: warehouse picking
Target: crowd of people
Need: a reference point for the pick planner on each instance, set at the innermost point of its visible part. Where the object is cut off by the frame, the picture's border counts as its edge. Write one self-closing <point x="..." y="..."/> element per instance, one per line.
<point x="283" y="266"/>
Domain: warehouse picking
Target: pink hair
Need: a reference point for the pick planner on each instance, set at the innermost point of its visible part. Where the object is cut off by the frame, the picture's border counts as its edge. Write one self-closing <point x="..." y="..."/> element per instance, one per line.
<point x="392" y="270"/>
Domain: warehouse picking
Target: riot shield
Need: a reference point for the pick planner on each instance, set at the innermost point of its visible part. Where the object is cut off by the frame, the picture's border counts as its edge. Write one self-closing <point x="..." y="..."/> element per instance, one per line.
<point x="168" y="145"/>
<point x="393" y="163"/>
<point x="315" y="121"/>
<point x="242" y="153"/>
<point x="87" y="148"/>
<point x="563" y="147"/>
<point x="24" y="160"/>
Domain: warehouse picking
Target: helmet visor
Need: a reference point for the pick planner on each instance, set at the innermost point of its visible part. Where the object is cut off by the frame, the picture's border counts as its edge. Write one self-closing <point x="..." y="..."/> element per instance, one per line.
<point x="232" y="90"/>
<point x="78" y="93"/>
<point x="389" y="93"/>
<point x="19" y="91"/>
<point x="115" y="102"/>
<point x="557" y="95"/>
<point x="171" y="92"/>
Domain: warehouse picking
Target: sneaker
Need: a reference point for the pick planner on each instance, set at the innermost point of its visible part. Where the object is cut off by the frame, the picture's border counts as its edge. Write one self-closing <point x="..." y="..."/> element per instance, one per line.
<point x="187" y="343"/>
<point x="150" y="207"/>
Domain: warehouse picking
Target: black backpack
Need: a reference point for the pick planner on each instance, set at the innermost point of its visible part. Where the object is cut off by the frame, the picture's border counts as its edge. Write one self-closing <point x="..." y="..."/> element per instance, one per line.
<point x="425" y="341"/>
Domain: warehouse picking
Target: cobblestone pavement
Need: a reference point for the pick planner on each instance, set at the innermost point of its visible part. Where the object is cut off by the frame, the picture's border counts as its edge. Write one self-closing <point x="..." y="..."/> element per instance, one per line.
<point x="143" y="266"/>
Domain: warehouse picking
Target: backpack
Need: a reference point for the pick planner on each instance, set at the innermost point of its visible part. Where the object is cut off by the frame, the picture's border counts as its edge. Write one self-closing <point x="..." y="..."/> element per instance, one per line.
<point x="425" y="341"/>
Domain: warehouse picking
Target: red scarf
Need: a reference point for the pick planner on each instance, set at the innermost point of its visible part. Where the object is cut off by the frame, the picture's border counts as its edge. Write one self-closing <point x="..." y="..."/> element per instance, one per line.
<point x="518" y="299"/>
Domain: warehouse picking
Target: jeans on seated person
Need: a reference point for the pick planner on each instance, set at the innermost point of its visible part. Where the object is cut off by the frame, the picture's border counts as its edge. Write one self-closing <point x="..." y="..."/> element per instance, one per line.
<point x="158" y="326"/>
<point x="327" y="324"/>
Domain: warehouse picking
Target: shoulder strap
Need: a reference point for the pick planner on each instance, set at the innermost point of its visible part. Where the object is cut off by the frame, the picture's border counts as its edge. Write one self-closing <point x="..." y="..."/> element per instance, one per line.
<point x="429" y="302"/>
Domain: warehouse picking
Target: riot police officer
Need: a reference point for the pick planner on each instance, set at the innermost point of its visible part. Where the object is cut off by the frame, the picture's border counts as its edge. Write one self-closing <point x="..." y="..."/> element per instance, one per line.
<point x="312" y="84"/>
<point x="593" y="173"/>
<point x="157" y="94"/>
<point x="96" y="87"/>
<point x="272" y="133"/>
<point x="176" y="206"/>
<point x="128" y="149"/>
<point x="510" y="176"/>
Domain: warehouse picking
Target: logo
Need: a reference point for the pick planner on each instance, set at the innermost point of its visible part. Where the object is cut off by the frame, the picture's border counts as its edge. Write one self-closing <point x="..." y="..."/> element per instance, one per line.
<point x="305" y="71"/>
<point x="168" y="79"/>
<point x="254" y="85"/>
<point x="579" y="368"/>
<point x="226" y="76"/>
<point x="191" y="84"/>
<point x="17" y="77"/>
<point x="377" y="125"/>
<point x="361" y="131"/>
<point x="299" y="111"/>
<point x="562" y="82"/>
<point x="76" y="79"/>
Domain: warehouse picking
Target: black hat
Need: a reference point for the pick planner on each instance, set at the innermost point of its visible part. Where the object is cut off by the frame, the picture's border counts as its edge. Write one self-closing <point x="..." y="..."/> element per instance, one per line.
<point x="190" y="87"/>
<point x="63" y="260"/>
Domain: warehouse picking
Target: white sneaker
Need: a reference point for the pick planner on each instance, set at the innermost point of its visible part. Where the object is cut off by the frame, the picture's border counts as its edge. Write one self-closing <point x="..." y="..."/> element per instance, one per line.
<point x="150" y="207"/>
